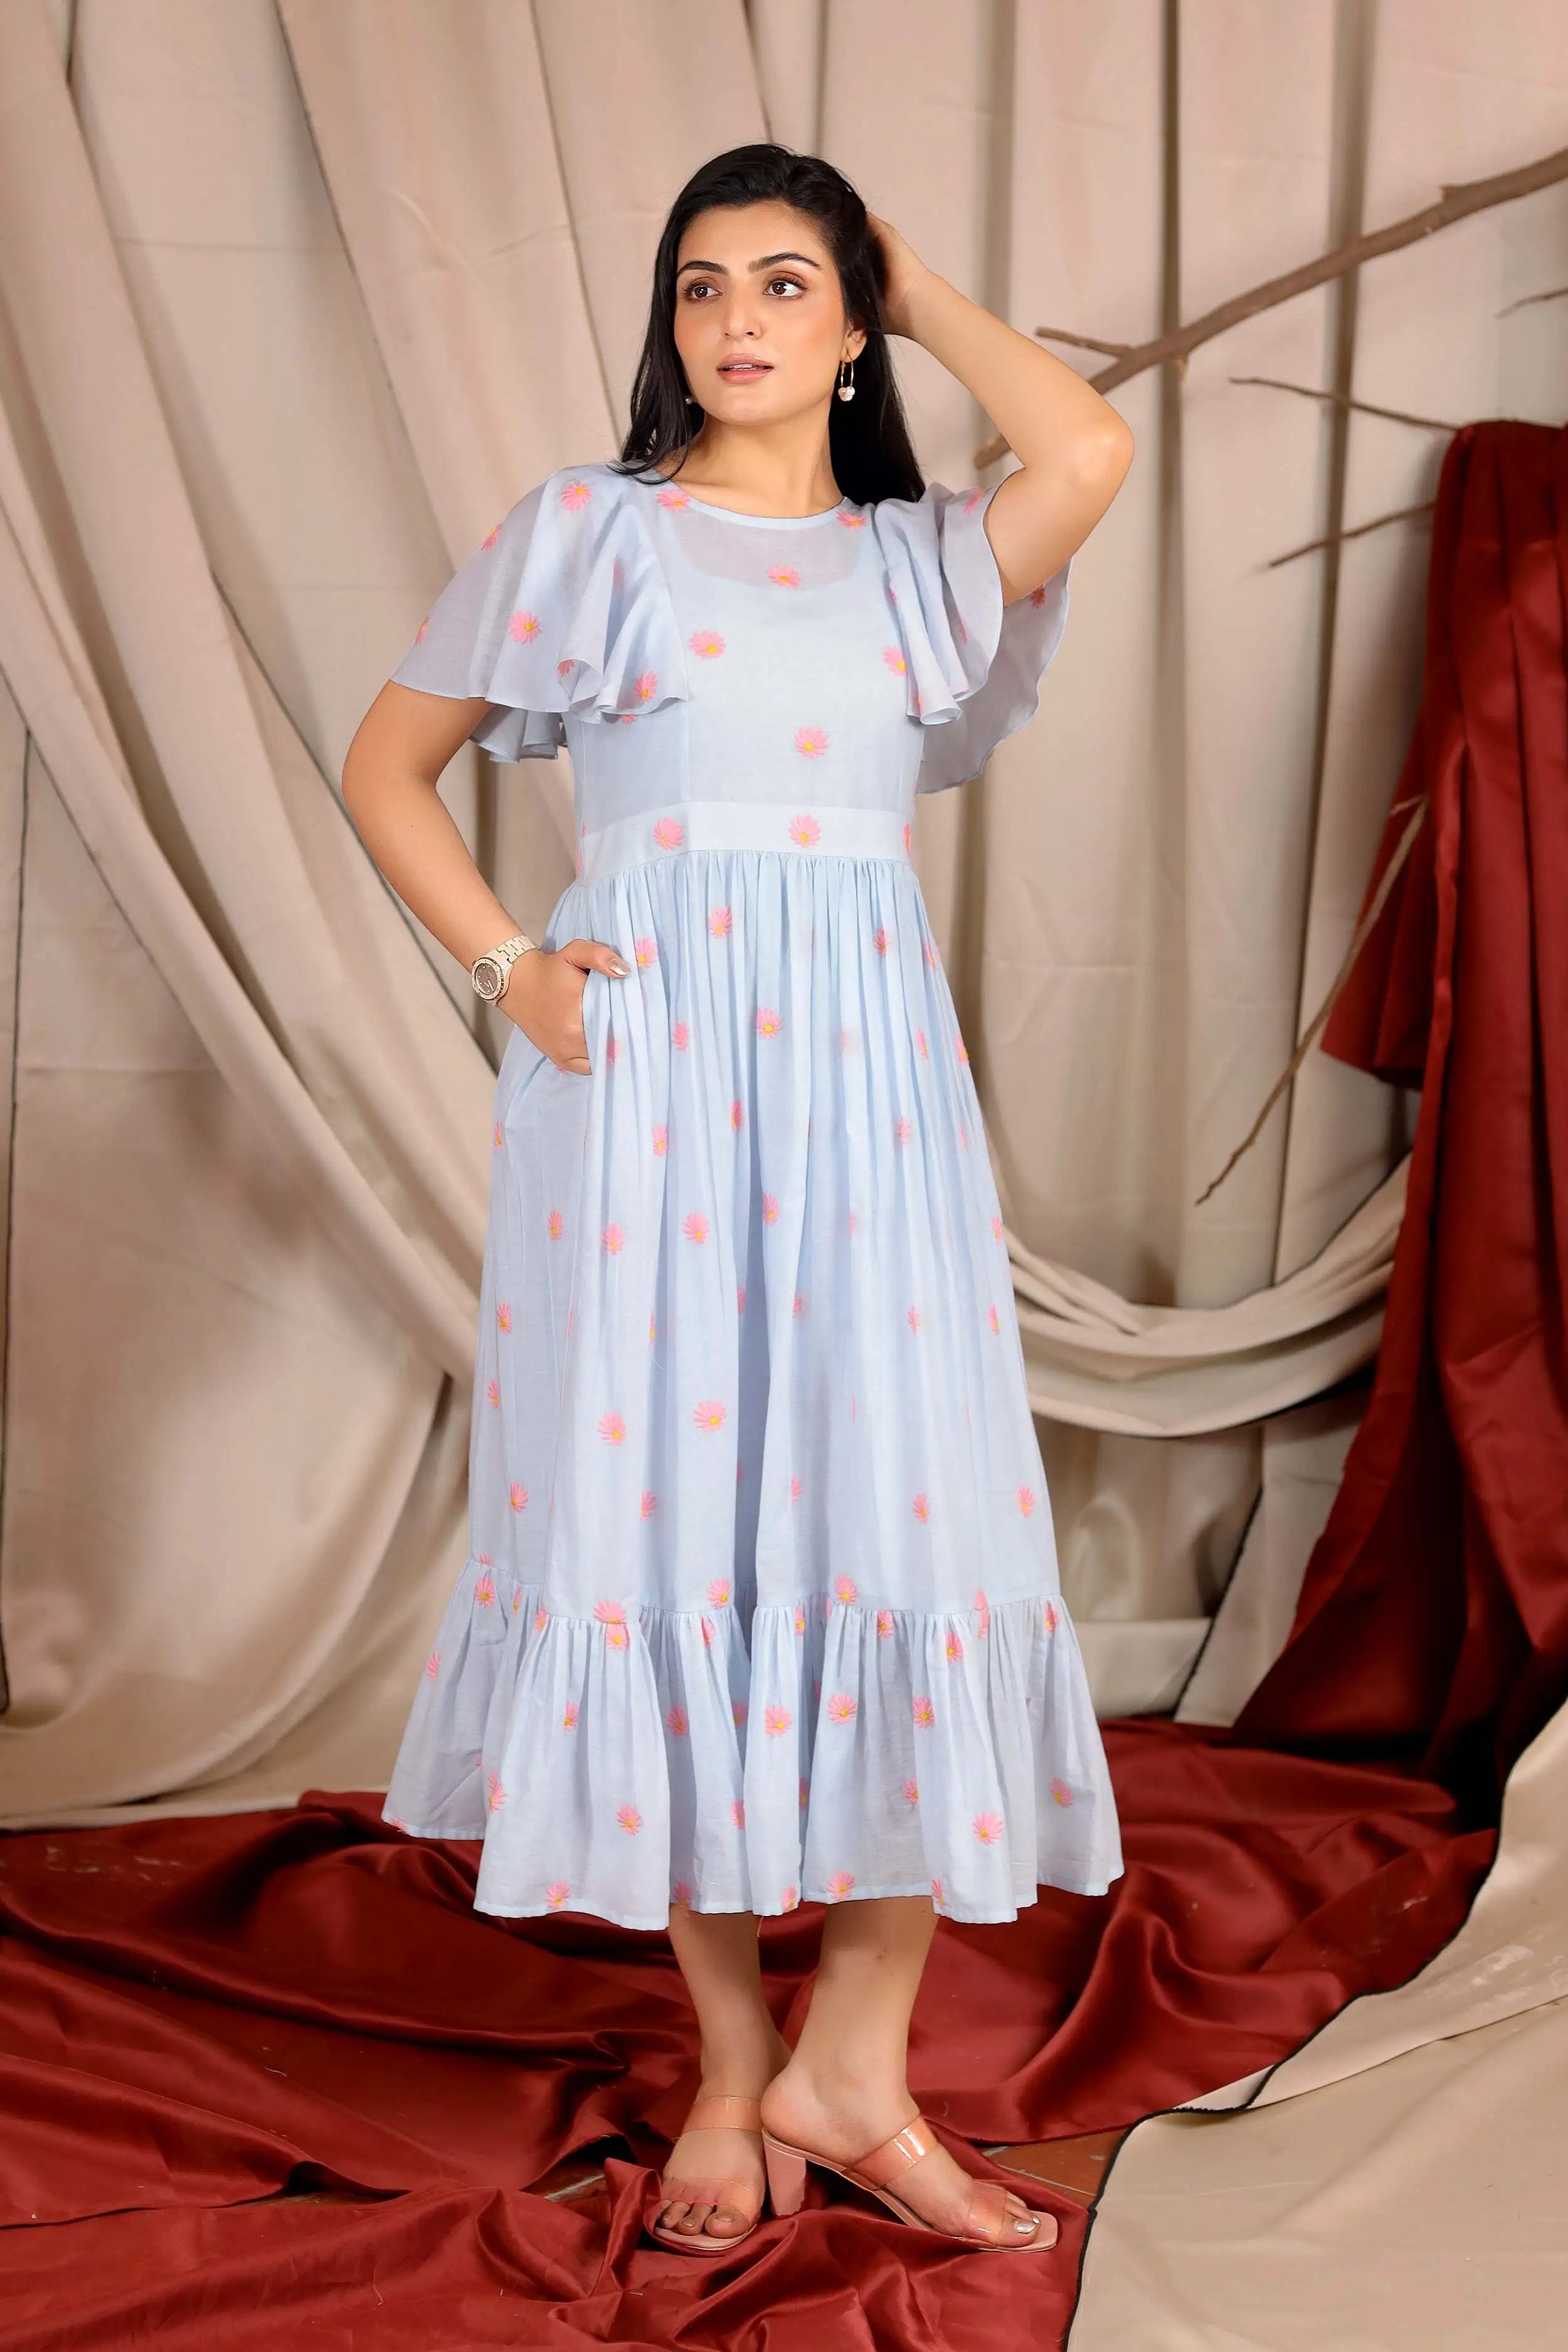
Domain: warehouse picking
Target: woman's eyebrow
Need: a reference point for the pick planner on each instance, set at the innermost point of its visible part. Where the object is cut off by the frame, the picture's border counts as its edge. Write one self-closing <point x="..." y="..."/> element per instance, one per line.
<point x="766" y="262"/>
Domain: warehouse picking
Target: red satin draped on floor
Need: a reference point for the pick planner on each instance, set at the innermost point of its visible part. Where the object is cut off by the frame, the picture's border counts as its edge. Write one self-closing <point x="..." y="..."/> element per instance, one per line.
<point x="197" y="2015"/>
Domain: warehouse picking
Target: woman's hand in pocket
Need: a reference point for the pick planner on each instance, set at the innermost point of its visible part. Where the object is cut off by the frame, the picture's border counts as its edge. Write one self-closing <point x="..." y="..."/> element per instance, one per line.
<point x="543" y="993"/>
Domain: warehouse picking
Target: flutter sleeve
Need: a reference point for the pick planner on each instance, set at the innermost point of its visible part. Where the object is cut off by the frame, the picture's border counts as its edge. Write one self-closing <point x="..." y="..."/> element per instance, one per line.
<point x="563" y="609"/>
<point x="973" y="665"/>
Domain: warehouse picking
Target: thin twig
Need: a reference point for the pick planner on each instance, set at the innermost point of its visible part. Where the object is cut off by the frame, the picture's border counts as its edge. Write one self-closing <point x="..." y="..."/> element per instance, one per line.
<point x="1454" y="203"/>
<point x="1362" y="933"/>
<point x="1353" y="531"/>
<point x="1343" y="400"/>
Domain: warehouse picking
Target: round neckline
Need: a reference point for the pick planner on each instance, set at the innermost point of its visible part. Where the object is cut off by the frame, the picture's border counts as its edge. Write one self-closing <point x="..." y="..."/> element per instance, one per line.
<point x="734" y="514"/>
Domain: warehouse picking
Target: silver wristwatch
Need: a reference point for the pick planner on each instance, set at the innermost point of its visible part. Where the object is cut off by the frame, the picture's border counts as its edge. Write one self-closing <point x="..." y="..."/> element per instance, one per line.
<point x="491" y="971"/>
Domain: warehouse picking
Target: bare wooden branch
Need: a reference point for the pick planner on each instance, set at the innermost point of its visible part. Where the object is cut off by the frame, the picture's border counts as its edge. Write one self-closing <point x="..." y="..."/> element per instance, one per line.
<point x="1352" y="530"/>
<point x="1420" y="803"/>
<point x="1343" y="400"/>
<point x="1455" y="203"/>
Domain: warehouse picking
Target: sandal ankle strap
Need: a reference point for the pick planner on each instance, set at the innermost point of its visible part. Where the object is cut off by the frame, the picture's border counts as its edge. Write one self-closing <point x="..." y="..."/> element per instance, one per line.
<point x="718" y="2112"/>
<point x="882" y="2165"/>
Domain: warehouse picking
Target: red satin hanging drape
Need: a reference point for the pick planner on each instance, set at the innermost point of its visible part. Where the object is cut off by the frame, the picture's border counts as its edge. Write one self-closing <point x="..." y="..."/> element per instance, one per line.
<point x="1432" y="1623"/>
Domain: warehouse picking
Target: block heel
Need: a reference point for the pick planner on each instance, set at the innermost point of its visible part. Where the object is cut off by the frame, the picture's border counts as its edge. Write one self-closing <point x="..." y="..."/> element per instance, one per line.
<point x="786" y="2174"/>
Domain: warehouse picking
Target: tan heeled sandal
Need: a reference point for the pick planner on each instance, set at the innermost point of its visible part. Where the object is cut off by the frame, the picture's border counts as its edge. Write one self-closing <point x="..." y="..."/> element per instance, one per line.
<point x="986" y="2221"/>
<point x="720" y="2114"/>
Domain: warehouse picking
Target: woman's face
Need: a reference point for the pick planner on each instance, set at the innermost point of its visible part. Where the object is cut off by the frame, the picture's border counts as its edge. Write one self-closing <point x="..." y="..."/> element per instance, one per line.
<point x="760" y="314"/>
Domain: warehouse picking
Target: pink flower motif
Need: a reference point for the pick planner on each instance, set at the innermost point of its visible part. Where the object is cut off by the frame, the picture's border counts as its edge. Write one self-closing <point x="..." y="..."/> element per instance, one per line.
<point x="849" y="1040"/>
<point x="797" y="1305"/>
<point x="541" y="1614"/>
<point x="937" y="1897"/>
<point x="630" y="1819"/>
<point x="646" y="951"/>
<point x="908" y="836"/>
<point x="789" y="1898"/>
<point x="611" y="1428"/>
<point x="669" y="832"/>
<point x="955" y="1646"/>
<point x="901" y="1129"/>
<point x="518" y="1496"/>
<point x="569" y="1719"/>
<point x="493" y="1392"/>
<point x="661" y="1137"/>
<point x="709" y="1414"/>
<point x="555" y="1225"/>
<point x="989" y="1828"/>
<point x="421" y="633"/>
<point x="784" y="575"/>
<point x="484" y="1589"/>
<point x="777" y="1720"/>
<point x="680" y="1036"/>
<point x="495" y="1137"/>
<point x="556" y="1893"/>
<point x="575" y="496"/>
<point x="769" y="1209"/>
<point x="740" y="1297"/>
<point x="1061" y="1792"/>
<point x="1037" y="597"/>
<point x="845" y="1591"/>
<point x="767" y="1022"/>
<point x="681" y="1893"/>
<point x="719" y="1591"/>
<point x="799" y="1616"/>
<point x="504" y="1316"/>
<point x="720" y="922"/>
<point x="736" y="1114"/>
<point x="649" y="1501"/>
<point x="883" y="1624"/>
<point x="839" y="1885"/>
<point x="695" y="1225"/>
<point x="810" y="741"/>
<point x="921" y="1507"/>
<point x="671" y="497"/>
<point x="973" y="500"/>
<point x="1026" y="1501"/>
<point x="794" y="1490"/>
<point x="997" y="1227"/>
<point x="805" y="1787"/>
<point x="879" y="939"/>
<point x="517" y="1598"/>
<point x="805" y="829"/>
<point x="707" y="644"/>
<point x="524" y="628"/>
<point x="914" y="1319"/>
<point x="984" y="1606"/>
<point x="737" y="1813"/>
<point x="894" y="660"/>
<point x="961" y="1049"/>
<point x="925" y="1714"/>
<point x="928" y="950"/>
<point x="613" y="1617"/>
<point x="920" y="1041"/>
<point x="912" y="1791"/>
<point x="564" y="669"/>
<point x="676" y="1719"/>
<point x="613" y="1237"/>
<point x="841" y="1706"/>
<point x="612" y="1049"/>
<point x="498" y="1796"/>
<point x="706" y="1625"/>
<point x="993" y="1319"/>
<point x="1048" y="1617"/>
<point x="740" y="1709"/>
<point x="433" y="1664"/>
<point x="647" y="686"/>
<point x="852" y="521"/>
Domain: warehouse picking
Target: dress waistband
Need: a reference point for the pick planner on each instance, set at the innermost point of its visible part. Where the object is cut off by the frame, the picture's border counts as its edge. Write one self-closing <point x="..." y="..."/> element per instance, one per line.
<point x="786" y="826"/>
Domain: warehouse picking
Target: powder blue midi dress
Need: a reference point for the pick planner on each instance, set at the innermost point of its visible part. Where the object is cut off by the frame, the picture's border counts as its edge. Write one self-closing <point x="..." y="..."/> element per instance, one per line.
<point x="762" y="1603"/>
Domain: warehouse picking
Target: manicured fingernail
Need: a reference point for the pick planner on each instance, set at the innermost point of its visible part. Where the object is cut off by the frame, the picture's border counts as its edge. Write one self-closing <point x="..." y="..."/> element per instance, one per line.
<point x="618" y="970"/>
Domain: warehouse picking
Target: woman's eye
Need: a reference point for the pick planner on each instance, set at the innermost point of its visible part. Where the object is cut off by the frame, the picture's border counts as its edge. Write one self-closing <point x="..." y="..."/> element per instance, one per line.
<point x="785" y="286"/>
<point x="696" y="286"/>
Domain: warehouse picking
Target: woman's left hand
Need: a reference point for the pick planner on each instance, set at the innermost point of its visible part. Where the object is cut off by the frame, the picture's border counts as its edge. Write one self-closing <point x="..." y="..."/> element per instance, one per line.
<point x="903" y="271"/>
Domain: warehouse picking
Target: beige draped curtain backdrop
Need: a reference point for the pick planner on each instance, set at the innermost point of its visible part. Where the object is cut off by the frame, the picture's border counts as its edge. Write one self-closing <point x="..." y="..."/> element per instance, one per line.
<point x="296" y="298"/>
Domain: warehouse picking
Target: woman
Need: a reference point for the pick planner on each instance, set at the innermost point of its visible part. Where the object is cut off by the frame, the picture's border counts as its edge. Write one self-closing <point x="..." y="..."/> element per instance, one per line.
<point x="762" y="1604"/>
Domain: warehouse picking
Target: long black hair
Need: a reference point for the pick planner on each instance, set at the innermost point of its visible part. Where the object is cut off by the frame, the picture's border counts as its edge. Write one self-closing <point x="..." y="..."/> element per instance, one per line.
<point x="867" y="437"/>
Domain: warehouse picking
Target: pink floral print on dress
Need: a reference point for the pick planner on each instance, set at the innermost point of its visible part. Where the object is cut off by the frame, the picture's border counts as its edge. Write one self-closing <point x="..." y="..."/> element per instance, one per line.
<point x="1060" y="1792"/>
<point x="612" y="1429"/>
<point x="846" y="1592"/>
<point x="794" y="1490"/>
<point x="912" y="1793"/>
<point x="912" y="1318"/>
<point x="812" y="743"/>
<point x="720" y="923"/>
<point x="784" y="575"/>
<point x="954" y="1645"/>
<point x="789" y="1898"/>
<point x="556" y="1893"/>
<point x="718" y="1592"/>
<point x="669" y="832"/>
<point x="852" y="521"/>
<point x="769" y="1209"/>
<point x="776" y="1719"/>
<point x="421" y="633"/>
<point x="504" y="1316"/>
<point x="495" y="1135"/>
<point x="613" y="1238"/>
<point x="675" y="1717"/>
<point x="799" y="1616"/>
<point x="707" y="644"/>
<point x="493" y="1393"/>
<point x="646" y="951"/>
<point x="705" y="1623"/>
<point x="648" y="1502"/>
<point x="740" y="1297"/>
<point x="541" y="1614"/>
<point x="569" y="1715"/>
<point x="518" y="1496"/>
<point x="937" y="1895"/>
<point x="908" y="838"/>
<point x="647" y="687"/>
<point x="740" y="1709"/>
<point x="737" y="1813"/>
<point x="894" y="660"/>
<point x="613" y="1617"/>
<point x="680" y="1036"/>
<point x="989" y="1828"/>
<point x="925" y="1714"/>
<point x="922" y="1507"/>
<point x="630" y="1819"/>
<point x="524" y="628"/>
<point x="805" y="829"/>
<point x="1048" y="1618"/>
<point x="695" y="1225"/>
<point x="767" y="1022"/>
<point x="1026" y="1501"/>
<point x="993" y="1319"/>
<point x="1037" y="597"/>
<point x="673" y="498"/>
<point x="433" y="1664"/>
<point x="961" y="1049"/>
<point x="575" y="496"/>
<point x="498" y="1794"/>
<point x="840" y="1884"/>
<point x="883" y="1624"/>
<point x="841" y="1706"/>
<point x="736" y="1115"/>
<point x="708" y="1413"/>
<point x="555" y="1225"/>
<point x="984" y="1606"/>
<point x="902" y="1130"/>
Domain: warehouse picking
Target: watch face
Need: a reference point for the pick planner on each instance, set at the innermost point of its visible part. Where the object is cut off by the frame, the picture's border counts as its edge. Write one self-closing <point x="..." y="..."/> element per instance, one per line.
<point x="487" y="977"/>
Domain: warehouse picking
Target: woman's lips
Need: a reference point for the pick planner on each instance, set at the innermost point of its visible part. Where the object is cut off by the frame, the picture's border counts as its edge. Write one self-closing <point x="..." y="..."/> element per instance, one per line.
<point x="745" y="368"/>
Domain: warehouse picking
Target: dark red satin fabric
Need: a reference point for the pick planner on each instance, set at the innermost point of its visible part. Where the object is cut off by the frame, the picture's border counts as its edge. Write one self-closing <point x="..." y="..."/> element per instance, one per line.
<point x="199" y="2016"/>
<point x="1433" y="1623"/>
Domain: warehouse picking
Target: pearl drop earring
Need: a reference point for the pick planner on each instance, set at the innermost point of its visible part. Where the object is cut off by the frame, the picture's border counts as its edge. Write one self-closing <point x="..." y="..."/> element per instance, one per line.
<point x="846" y="380"/>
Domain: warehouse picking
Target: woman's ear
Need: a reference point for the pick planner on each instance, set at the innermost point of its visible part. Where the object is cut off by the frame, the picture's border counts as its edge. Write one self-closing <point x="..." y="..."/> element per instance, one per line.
<point x="854" y="343"/>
